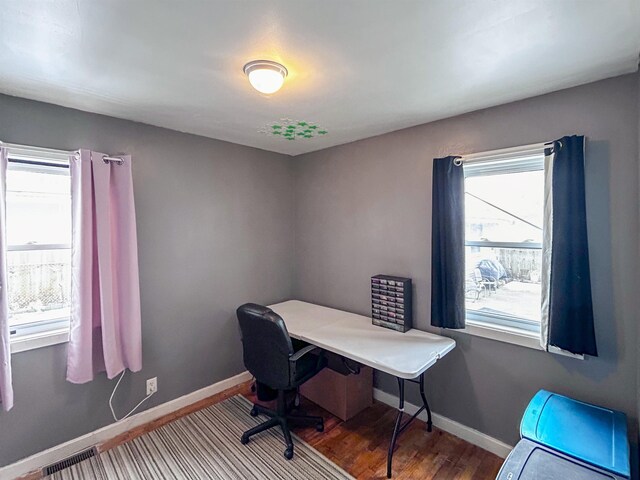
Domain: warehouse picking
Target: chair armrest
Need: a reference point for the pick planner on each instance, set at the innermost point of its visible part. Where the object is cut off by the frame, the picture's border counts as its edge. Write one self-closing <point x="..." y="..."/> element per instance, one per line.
<point x="295" y="365"/>
<point x="302" y="352"/>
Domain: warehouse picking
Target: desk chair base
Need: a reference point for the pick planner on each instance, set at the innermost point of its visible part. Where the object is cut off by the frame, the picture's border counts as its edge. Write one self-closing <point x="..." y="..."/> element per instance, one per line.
<point x="282" y="418"/>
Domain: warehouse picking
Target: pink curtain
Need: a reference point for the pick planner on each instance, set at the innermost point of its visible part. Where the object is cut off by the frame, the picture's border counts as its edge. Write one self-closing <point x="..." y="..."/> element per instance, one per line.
<point x="105" y="330"/>
<point x="6" y="388"/>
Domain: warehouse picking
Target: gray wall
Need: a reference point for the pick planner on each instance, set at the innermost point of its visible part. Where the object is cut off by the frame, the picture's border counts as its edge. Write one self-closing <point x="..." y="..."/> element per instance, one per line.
<point x="638" y="343"/>
<point x="211" y="237"/>
<point x="365" y="208"/>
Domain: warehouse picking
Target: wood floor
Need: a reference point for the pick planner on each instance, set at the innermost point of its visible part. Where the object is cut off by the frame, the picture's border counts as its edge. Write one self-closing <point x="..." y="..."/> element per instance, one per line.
<point x="360" y="445"/>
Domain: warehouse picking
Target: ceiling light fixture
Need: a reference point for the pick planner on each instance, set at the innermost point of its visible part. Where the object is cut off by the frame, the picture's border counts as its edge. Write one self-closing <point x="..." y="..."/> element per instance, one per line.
<point x="265" y="76"/>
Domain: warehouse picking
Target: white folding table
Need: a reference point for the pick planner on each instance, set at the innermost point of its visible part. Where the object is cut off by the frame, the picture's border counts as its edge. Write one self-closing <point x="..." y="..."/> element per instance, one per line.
<point x="406" y="356"/>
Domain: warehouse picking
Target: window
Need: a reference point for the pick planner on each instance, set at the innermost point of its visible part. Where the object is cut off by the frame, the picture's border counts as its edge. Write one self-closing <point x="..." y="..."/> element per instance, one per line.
<point x="38" y="244"/>
<point x="504" y="209"/>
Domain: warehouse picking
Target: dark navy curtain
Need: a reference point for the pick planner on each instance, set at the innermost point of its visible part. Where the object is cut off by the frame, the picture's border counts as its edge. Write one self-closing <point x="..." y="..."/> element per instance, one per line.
<point x="570" y="306"/>
<point x="447" y="244"/>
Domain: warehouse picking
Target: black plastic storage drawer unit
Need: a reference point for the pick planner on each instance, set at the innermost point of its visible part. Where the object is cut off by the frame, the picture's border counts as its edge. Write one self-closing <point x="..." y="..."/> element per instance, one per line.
<point x="391" y="304"/>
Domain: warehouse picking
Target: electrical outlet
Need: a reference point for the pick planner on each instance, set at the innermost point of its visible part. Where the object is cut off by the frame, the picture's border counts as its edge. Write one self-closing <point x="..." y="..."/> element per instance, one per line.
<point x="152" y="385"/>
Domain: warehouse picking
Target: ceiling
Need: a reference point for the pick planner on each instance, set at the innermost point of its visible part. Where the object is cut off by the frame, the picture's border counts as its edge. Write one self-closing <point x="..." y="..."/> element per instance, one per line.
<point x="356" y="68"/>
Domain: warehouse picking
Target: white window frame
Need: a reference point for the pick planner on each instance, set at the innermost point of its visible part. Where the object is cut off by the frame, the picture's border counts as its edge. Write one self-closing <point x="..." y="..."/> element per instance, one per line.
<point x="507" y="329"/>
<point x="55" y="331"/>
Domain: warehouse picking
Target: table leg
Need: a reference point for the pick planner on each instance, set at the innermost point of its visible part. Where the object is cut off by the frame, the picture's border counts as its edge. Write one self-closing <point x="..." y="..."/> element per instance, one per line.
<point x="425" y="403"/>
<point x="396" y="429"/>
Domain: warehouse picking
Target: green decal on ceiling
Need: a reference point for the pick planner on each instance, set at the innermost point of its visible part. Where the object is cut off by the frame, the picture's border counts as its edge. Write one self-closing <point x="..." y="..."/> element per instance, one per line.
<point x="293" y="130"/>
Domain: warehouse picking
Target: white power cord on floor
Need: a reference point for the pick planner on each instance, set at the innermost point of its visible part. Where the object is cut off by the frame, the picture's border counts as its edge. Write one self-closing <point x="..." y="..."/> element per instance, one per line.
<point x="134" y="408"/>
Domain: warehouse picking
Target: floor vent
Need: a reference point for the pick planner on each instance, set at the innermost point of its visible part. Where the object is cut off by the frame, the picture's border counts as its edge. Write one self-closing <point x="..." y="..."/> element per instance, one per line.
<point x="67" y="462"/>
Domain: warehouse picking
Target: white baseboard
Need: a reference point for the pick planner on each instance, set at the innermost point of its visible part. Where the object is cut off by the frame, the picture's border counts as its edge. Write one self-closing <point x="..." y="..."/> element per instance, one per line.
<point x="468" y="434"/>
<point x="64" y="450"/>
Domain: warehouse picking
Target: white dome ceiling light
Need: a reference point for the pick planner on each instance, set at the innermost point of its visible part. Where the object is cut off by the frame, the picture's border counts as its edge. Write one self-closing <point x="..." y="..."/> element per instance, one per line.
<point x="265" y="76"/>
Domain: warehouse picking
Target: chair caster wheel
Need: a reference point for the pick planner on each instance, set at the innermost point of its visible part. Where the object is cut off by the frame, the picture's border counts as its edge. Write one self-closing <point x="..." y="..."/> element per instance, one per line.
<point x="288" y="453"/>
<point x="320" y="427"/>
<point x="244" y="439"/>
<point x="253" y="412"/>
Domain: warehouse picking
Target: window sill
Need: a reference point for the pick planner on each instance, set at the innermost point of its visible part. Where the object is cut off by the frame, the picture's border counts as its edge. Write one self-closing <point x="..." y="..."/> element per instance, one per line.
<point x="515" y="337"/>
<point x="31" y="342"/>
<point x="504" y="334"/>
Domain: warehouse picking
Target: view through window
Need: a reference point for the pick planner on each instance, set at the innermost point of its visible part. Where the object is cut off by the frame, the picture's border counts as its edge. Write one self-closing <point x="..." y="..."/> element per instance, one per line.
<point x="503" y="242"/>
<point x="39" y="246"/>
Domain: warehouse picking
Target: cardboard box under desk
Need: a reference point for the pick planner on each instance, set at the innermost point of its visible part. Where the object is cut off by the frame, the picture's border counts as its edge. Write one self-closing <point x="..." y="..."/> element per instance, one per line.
<point x="342" y="395"/>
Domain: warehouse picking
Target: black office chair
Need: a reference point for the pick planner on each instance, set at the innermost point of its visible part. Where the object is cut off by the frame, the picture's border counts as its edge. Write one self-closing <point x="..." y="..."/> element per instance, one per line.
<point x="270" y="357"/>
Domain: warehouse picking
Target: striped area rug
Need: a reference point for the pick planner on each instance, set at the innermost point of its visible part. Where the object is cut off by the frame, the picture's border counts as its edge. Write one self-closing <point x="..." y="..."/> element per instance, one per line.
<point x="206" y="445"/>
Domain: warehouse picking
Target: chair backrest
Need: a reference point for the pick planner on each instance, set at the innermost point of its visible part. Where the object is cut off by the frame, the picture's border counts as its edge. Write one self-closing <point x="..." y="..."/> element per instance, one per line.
<point x="266" y="345"/>
<point x="477" y="274"/>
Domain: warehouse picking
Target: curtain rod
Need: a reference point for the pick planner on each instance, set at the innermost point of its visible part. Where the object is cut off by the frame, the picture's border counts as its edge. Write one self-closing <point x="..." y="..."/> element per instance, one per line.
<point x="503" y="152"/>
<point x="105" y="158"/>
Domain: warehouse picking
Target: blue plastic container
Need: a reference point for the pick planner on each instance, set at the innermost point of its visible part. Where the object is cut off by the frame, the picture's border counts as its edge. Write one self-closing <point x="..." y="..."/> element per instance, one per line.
<point x="532" y="461"/>
<point x="592" y="434"/>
